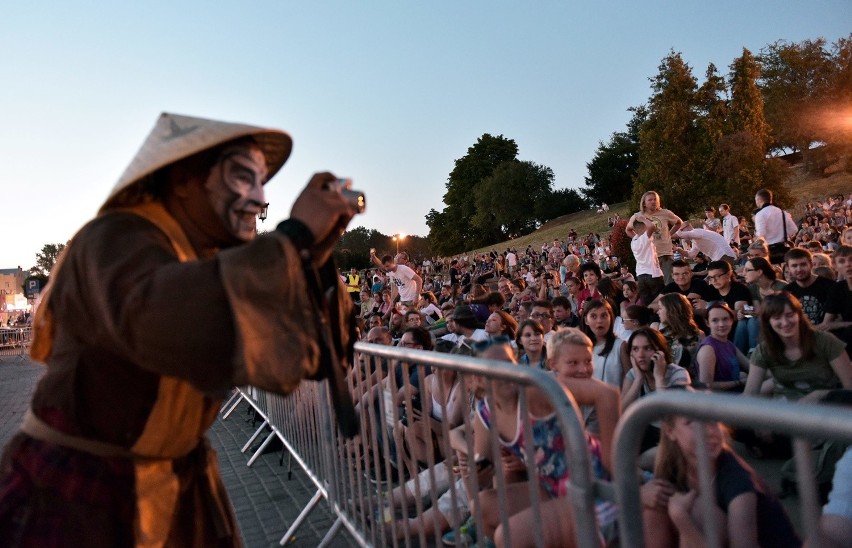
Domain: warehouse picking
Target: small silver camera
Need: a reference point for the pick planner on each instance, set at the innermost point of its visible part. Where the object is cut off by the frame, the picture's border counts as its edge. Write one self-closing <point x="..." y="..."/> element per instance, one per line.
<point x="357" y="200"/>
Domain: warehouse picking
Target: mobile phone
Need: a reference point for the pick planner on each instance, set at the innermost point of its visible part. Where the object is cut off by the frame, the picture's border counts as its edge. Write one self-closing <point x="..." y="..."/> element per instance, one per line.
<point x="357" y="199"/>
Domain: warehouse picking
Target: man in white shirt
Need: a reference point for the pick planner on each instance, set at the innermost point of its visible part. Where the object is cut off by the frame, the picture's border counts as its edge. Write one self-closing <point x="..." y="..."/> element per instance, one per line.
<point x="712" y="244"/>
<point x="730" y="225"/>
<point x="404" y="281"/>
<point x="511" y="262"/>
<point x="463" y="325"/>
<point x="649" y="275"/>
<point x="769" y="223"/>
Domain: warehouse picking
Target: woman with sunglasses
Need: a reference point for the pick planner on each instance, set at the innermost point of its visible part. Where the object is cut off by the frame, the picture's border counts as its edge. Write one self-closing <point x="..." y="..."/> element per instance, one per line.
<point x="719" y="361"/>
<point x="530" y="342"/>
<point x="804" y="362"/>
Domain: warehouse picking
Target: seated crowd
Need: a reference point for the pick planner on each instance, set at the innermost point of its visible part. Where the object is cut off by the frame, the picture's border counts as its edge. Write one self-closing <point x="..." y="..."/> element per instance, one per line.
<point x="711" y="312"/>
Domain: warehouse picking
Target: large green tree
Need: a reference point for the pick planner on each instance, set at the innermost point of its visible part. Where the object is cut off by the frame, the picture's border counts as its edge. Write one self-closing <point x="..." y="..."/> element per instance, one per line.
<point x="741" y="162"/>
<point x="668" y="138"/>
<point x="560" y="202"/>
<point x="507" y="202"/>
<point x="456" y="219"/>
<point x="796" y="80"/>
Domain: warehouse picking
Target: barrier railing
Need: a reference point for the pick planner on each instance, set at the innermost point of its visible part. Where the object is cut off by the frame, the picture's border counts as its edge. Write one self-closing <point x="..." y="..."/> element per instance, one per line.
<point x="803" y="422"/>
<point x="364" y="479"/>
<point x="15" y="341"/>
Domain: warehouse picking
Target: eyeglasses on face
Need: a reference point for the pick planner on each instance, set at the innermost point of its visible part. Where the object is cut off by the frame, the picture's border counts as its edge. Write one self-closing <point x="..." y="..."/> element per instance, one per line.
<point x="539" y="315"/>
<point x="407" y="344"/>
<point x="716" y="277"/>
<point x="481" y="346"/>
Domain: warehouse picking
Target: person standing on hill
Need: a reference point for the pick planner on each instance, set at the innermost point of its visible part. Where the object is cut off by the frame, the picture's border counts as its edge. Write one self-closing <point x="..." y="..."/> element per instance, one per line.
<point x="665" y="222"/>
<point x="769" y="224"/>
<point x="730" y="226"/>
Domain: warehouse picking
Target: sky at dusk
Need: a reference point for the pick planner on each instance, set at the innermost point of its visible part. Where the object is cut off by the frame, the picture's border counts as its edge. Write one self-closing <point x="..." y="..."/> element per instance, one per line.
<point x="387" y="93"/>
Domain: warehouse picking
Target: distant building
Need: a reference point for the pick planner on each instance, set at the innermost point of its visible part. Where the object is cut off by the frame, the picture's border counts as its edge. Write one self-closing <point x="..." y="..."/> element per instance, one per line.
<point x="12" y="299"/>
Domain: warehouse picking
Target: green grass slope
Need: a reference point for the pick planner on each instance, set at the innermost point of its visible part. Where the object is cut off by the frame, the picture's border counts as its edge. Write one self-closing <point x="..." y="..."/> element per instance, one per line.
<point x="802" y="186"/>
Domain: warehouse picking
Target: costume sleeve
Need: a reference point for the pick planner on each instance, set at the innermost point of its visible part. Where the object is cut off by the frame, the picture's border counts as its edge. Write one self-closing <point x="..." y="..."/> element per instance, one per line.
<point x="123" y="293"/>
<point x="275" y="322"/>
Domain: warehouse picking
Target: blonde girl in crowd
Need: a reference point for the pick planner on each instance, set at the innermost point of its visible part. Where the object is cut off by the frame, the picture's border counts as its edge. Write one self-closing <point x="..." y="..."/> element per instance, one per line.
<point x="570" y="358"/>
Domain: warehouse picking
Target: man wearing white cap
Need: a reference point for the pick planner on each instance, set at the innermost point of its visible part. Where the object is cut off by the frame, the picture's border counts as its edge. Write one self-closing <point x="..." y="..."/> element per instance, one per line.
<point x="158" y="306"/>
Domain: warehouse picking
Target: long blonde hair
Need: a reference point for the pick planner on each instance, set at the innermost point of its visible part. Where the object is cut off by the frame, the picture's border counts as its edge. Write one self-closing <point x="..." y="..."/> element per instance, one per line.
<point x="642" y="200"/>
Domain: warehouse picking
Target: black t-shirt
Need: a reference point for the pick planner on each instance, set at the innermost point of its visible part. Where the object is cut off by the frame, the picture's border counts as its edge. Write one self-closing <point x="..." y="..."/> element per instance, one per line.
<point x="697" y="286"/>
<point x="840" y="304"/>
<point x="813" y="297"/>
<point x="738" y="292"/>
<point x="733" y="479"/>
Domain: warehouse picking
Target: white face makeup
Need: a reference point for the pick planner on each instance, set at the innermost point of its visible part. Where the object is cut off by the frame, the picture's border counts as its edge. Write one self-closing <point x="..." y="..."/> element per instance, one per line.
<point x="235" y="189"/>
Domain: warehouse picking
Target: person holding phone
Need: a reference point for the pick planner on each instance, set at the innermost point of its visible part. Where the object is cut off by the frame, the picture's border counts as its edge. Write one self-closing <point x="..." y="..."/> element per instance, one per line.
<point x="651" y="370"/>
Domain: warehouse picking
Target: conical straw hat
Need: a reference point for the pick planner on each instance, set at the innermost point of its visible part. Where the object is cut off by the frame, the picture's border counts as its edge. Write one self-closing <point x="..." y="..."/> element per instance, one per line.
<point x="175" y="137"/>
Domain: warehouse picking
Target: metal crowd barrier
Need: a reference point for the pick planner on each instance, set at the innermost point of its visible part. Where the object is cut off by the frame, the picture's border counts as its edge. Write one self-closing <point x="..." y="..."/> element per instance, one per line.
<point x="15" y="341"/>
<point x="362" y="479"/>
<point x="803" y="422"/>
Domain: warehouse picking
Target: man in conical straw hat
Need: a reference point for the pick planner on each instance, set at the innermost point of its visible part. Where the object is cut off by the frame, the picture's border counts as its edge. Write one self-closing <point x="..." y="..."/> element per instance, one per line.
<point x="157" y="308"/>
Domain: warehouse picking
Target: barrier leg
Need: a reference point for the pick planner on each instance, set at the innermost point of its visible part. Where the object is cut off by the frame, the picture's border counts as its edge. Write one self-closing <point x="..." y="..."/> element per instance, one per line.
<point x="236" y="403"/>
<point x="301" y="517"/>
<point x="254" y="436"/>
<point x="261" y="448"/>
<point x="331" y="533"/>
<point x="235" y="394"/>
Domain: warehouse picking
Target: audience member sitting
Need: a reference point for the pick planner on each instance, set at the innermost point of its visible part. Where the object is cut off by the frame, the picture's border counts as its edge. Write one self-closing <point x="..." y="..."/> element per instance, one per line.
<point x="747" y="513"/>
<point x="803" y="361"/>
<point x="651" y="370"/>
<point x="571" y="359"/>
<point x="677" y="324"/>
<point x="721" y="366"/>
<point x="530" y="343"/>
<point x="598" y="320"/>
<point x="501" y="323"/>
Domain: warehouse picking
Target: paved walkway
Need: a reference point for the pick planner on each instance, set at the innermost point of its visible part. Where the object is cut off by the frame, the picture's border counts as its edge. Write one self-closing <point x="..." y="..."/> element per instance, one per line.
<point x="265" y="501"/>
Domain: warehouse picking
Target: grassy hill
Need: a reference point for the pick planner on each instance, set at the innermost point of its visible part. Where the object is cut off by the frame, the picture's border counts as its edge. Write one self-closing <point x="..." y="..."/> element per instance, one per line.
<point x="803" y="186"/>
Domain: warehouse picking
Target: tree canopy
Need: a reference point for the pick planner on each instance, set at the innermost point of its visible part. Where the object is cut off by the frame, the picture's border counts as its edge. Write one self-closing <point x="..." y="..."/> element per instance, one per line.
<point x="492" y="196"/>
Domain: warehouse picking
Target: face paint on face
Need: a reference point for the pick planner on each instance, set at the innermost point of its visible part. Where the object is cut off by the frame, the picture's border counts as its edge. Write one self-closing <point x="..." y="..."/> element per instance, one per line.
<point x="235" y="189"/>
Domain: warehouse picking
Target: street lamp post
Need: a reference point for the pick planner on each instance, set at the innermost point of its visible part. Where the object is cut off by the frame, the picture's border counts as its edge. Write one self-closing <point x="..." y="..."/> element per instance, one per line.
<point x="397" y="238"/>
